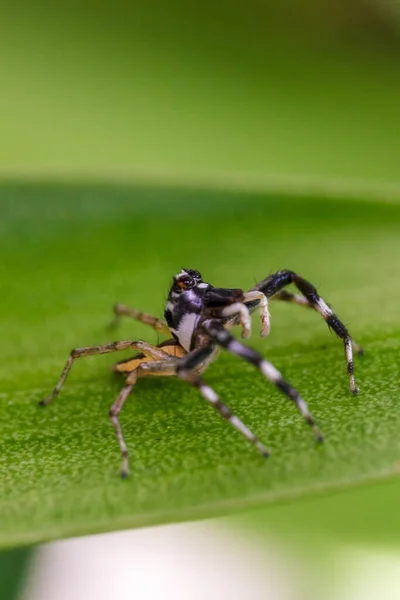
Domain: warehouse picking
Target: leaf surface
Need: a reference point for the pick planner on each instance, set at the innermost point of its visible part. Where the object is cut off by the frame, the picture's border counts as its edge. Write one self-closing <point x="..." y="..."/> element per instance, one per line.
<point x="69" y="252"/>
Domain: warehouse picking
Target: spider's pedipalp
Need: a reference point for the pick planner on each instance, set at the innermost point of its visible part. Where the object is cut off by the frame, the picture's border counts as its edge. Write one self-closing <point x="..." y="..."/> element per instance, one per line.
<point x="240" y="309"/>
<point x="262" y="299"/>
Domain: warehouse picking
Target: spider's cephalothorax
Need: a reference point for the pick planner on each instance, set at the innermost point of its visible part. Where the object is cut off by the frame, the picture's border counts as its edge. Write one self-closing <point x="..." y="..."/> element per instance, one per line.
<point x="199" y="316"/>
<point x="185" y="306"/>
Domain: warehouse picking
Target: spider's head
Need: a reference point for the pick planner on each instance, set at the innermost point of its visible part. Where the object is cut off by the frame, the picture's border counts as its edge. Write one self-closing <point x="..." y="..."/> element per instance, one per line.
<point x="187" y="279"/>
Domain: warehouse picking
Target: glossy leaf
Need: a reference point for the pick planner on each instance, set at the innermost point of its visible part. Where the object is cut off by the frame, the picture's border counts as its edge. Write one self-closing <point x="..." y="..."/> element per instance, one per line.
<point x="69" y="252"/>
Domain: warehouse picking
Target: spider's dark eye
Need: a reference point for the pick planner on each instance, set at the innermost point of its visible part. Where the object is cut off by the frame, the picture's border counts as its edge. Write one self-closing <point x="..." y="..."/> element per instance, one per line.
<point x="194" y="274"/>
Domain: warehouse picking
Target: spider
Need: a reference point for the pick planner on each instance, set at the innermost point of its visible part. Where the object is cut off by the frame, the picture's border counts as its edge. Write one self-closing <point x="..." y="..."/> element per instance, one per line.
<point x="199" y="315"/>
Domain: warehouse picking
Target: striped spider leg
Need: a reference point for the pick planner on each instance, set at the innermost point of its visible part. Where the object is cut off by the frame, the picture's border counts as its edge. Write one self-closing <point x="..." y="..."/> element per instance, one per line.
<point x="219" y="335"/>
<point x="188" y="369"/>
<point x="302" y="301"/>
<point x="272" y="287"/>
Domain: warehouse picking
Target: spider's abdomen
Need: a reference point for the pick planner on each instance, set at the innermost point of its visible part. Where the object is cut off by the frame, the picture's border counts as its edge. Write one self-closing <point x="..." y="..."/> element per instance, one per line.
<point x="182" y="314"/>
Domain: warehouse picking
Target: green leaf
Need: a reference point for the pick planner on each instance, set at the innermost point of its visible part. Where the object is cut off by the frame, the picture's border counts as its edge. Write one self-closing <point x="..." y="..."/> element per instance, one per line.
<point x="69" y="252"/>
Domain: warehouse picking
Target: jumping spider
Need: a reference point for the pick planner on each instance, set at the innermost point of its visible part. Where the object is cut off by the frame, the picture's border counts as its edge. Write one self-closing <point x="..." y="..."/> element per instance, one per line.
<point x="198" y="316"/>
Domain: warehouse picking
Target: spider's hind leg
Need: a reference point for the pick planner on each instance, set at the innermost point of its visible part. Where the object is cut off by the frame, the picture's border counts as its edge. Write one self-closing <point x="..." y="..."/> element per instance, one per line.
<point x="164" y="368"/>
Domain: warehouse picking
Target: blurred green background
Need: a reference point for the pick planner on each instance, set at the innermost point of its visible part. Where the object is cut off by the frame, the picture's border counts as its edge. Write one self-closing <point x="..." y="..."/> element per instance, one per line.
<point x="285" y="87"/>
<point x="186" y="89"/>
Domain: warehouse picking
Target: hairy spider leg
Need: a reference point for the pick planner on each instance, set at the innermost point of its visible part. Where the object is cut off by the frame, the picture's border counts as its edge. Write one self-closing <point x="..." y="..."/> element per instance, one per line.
<point x="274" y="283"/>
<point x="163" y="368"/>
<point x="147" y="349"/>
<point x="222" y="337"/>
<point x="302" y="301"/>
<point x="186" y="370"/>
<point x="120" y="310"/>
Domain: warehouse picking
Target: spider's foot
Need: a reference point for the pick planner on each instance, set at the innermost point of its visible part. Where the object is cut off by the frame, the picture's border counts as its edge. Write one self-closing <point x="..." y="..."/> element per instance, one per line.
<point x="125" y="465"/>
<point x="262" y="449"/>
<point x="353" y="386"/>
<point x="45" y="401"/>
<point x="318" y="435"/>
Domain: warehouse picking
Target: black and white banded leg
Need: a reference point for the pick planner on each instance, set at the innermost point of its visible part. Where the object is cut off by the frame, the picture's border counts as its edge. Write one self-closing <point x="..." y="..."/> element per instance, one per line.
<point x="302" y="301"/>
<point x="274" y="284"/>
<point x="223" y="338"/>
<point x="186" y="370"/>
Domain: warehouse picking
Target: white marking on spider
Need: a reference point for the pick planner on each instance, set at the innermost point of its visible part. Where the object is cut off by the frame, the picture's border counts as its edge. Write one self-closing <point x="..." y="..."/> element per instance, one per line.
<point x="323" y="309"/>
<point x="236" y="422"/>
<point x="186" y="328"/>
<point x="209" y="394"/>
<point x="269" y="371"/>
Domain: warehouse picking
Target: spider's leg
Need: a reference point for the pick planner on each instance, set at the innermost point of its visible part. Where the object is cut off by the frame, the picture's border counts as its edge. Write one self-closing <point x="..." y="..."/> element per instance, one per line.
<point x="294" y="298"/>
<point x="185" y="369"/>
<point x="222" y="337"/>
<point x="164" y="367"/>
<point x="113" y="414"/>
<point x="143" y="347"/>
<point x="274" y="283"/>
<point x="120" y="310"/>
<point x="302" y="301"/>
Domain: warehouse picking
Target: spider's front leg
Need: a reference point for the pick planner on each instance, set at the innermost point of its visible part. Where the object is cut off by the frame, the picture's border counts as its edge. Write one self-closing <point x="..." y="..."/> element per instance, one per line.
<point x="187" y="369"/>
<point x="273" y="284"/>
<point x="220" y="336"/>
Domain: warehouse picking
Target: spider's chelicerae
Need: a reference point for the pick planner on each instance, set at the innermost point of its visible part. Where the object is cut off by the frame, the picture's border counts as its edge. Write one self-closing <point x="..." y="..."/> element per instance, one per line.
<point x="198" y="315"/>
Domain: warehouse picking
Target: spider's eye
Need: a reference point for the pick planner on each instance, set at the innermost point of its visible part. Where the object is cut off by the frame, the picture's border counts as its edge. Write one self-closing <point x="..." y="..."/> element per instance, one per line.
<point x="185" y="283"/>
<point x="193" y="273"/>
